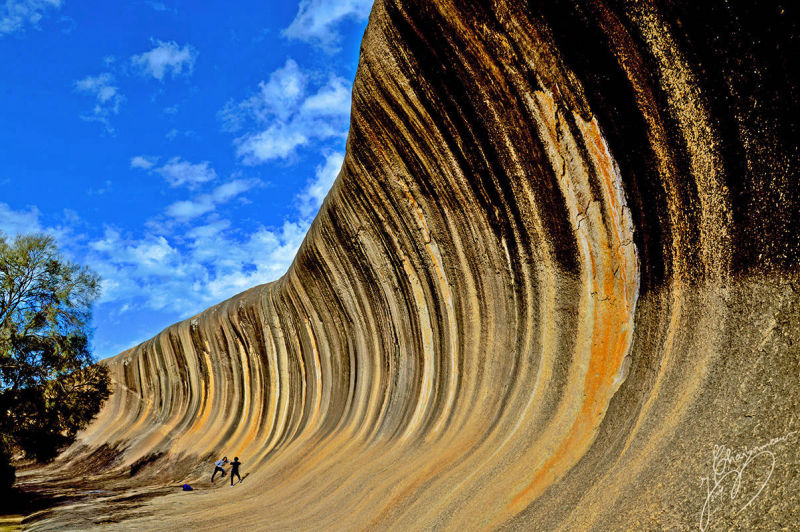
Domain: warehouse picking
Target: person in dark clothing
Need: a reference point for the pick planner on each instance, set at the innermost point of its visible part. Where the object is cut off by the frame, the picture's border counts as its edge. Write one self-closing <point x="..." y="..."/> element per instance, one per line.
<point x="219" y="468"/>
<point x="235" y="469"/>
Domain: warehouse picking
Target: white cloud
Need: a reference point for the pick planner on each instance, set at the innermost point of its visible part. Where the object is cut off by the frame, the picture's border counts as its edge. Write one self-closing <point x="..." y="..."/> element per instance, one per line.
<point x="166" y="58"/>
<point x="186" y="210"/>
<point x="15" y="15"/>
<point x="209" y="230"/>
<point x="316" y="20"/>
<point x="126" y="265"/>
<point x="311" y="198"/>
<point x="228" y="191"/>
<point x="178" y="172"/>
<point x="179" y="274"/>
<point x="107" y="97"/>
<point x="99" y="85"/>
<point x="14" y="222"/>
<point x="142" y="161"/>
<point x="332" y="99"/>
<point x="211" y="263"/>
<point x="277" y="97"/>
<point x="26" y="221"/>
<point x="283" y="116"/>
<point x="265" y="256"/>
<point x="278" y="141"/>
<point x="153" y="252"/>
<point x="107" y="242"/>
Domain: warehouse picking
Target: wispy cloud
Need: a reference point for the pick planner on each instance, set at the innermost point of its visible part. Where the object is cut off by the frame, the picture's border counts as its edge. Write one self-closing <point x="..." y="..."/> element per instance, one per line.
<point x="316" y="21"/>
<point x="166" y="58"/>
<point x="107" y="98"/>
<point x="100" y="86"/>
<point x="276" y="98"/>
<point x="174" y="133"/>
<point x="333" y="99"/>
<point x="278" y="141"/>
<point x="144" y="162"/>
<point x="29" y="220"/>
<point x="211" y="262"/>
<point x="157" y="6"/>
<point x="14" y="222"/>
<point x="181" y="273"/>
<point x="311" y="198"/>
<point x="105" y="188"/>
<point x="16" y="15"/>
<point x="186" y="210"/>
<point x="283" y="116"/>
<point x="178" y="172"/>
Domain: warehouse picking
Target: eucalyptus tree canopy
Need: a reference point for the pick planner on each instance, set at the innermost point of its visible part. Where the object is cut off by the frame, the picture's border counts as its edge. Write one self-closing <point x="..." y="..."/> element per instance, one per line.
<point x="50" y="386"/>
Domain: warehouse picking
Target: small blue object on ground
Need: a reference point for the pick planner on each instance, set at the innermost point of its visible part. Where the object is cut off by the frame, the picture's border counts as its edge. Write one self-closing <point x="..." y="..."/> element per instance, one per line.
<point x="187" y="487"/>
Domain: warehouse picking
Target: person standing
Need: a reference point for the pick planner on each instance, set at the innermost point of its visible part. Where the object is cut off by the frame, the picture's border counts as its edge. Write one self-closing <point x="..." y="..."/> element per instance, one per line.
<point x="235" y="469"/>
<point x="219" y="467"/>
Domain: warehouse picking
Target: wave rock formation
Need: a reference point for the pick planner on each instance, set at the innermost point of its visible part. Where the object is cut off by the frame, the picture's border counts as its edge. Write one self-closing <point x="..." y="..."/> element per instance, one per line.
<point x="558" y="267"/>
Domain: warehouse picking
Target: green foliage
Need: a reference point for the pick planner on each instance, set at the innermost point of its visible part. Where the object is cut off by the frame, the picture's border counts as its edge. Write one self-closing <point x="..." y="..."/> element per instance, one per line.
<point x="49" y="386"/>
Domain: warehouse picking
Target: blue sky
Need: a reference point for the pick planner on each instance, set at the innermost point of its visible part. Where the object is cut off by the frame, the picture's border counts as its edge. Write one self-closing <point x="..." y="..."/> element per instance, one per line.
<point x="179" y="148"/>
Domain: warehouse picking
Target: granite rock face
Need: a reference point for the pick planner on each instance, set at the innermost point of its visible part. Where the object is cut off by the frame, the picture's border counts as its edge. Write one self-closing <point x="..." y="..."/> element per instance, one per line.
<point x="553" y="287"/>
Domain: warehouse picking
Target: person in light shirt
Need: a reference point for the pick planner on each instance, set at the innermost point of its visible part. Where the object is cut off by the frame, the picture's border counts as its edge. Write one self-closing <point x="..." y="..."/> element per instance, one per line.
<point x="219" y="467"/>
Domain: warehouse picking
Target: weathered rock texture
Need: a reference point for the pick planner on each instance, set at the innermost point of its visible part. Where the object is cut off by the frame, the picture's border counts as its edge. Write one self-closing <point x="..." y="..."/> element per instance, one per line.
<point x="557" y="268"/>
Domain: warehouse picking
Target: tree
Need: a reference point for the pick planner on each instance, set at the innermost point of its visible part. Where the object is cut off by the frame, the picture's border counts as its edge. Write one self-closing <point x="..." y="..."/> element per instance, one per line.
<point x="50" y="386"/>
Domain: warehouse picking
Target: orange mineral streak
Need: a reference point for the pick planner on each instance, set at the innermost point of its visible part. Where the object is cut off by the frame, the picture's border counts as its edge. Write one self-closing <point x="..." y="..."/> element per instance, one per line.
<point x="613" y="277"/>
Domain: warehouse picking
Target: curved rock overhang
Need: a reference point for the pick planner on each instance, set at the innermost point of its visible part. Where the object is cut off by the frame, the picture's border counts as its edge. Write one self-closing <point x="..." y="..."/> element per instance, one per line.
<point x="557" y="269"/>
